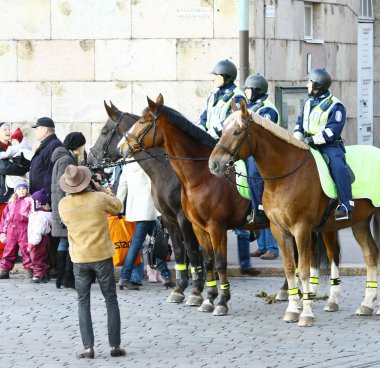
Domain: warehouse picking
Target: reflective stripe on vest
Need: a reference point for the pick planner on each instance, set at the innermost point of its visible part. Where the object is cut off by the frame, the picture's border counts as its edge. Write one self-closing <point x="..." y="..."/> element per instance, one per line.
<point x="316" y="121"/>
<point x="218" y="113"/>
<point x="266" y="103"/>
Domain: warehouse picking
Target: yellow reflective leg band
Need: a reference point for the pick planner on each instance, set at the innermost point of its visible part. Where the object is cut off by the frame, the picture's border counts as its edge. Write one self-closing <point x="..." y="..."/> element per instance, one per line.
<point x="225" y="286"/>
<point x="371" y="284"/>
<point x="196" y="269"/>
<point x="314" y="280"/>
<point x="211" y="283"/>
<point x="293" y="291"/>
<point x="180" y="267"/>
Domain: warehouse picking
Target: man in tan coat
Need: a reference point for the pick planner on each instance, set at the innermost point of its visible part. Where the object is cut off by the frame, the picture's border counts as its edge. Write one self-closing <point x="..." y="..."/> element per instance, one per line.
<point x="84" y="212"/>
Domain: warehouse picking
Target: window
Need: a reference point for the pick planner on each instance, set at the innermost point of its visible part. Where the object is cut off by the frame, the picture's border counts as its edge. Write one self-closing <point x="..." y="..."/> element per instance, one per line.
<point x="308" y="22"/>
<point x="366" y="9"/>
<point x="289" y="102"/>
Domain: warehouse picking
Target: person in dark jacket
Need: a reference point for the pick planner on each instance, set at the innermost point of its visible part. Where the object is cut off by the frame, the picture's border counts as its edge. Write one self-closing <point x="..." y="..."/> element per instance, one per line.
<point x="41" y="166"/>
<point x="72" y="153"/>
<point x="41" y="169"/>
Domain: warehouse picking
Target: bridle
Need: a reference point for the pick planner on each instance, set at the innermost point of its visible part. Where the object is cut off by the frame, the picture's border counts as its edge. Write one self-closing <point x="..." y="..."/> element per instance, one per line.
<point x="234" y="153"/>
<point x="137" y="146"/>
<point x="107" y="143"/>
<point x="247" y="135"/>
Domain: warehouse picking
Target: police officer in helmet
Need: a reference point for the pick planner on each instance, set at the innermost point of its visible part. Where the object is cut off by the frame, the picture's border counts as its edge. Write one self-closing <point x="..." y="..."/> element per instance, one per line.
<point x="320" y="125"/>
<point x="219" y="102"/>
<point x="212" y="120"/>
<point x="256" y="88"/>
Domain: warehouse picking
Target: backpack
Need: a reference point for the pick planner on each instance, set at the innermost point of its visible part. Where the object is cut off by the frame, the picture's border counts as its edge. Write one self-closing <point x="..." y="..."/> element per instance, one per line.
<point x="158" y="246"/>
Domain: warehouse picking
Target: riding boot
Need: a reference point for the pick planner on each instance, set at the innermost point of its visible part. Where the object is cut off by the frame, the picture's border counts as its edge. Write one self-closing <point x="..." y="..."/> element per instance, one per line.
<point x="61" y="264"/>
<point x="68" y="278"/>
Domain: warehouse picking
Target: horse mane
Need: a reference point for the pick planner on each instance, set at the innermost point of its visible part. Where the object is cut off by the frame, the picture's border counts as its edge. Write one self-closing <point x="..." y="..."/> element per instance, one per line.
<point x="177" y="119"/>
<point x="278" y="131"/>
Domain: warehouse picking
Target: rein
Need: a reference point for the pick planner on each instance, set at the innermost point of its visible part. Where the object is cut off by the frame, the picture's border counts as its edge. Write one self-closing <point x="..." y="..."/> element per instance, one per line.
<point x="233" y="154"/>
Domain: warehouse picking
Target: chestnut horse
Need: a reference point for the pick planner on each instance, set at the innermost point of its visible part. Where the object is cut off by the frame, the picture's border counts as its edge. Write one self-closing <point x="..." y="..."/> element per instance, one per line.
<point x="212" y="204"/>
<point x="166" y="193"/>
<point x="294" y="202"/>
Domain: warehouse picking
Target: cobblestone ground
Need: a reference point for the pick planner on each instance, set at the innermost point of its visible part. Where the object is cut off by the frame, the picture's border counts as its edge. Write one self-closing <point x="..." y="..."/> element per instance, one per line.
<point x="39" y="328"/>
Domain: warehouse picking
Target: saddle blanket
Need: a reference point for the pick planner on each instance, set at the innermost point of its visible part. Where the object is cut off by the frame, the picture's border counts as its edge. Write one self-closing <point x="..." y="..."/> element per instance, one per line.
<point x="241" y="179"/>
<point x="365" y="164"/>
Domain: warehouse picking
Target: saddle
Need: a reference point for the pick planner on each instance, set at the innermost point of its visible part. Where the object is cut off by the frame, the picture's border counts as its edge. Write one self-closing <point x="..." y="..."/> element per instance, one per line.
<point x="364" y="167"/>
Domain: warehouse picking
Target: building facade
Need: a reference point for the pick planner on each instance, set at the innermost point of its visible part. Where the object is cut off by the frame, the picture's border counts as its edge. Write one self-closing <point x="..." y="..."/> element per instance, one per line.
<point x="62" y="58"/>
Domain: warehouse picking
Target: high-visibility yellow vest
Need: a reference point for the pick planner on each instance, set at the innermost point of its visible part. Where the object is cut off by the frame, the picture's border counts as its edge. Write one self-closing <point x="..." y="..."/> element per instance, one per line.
<point x="267" y="103"/>
<point x="217" y="113"/>
<point x="316" y="121"/>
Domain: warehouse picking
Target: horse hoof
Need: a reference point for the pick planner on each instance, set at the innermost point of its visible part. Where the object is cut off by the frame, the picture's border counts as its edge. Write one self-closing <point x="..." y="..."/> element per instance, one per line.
<point x="175" y="297"/>
<point x="220" y="310"/>
<point x="206" y="306"/>
<point x="331" y="307"/>
<point x="306" y="321"/>
<point x="291" y="317"/>
<point x="194" y="300"/>
<point x="364" y="311"/>
<point x="282" y="295"/>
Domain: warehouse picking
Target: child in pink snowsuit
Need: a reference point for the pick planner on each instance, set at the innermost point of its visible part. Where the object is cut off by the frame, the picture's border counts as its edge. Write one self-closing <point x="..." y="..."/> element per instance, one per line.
<point x="39" y="226"/>
<point x="14" y="229"/>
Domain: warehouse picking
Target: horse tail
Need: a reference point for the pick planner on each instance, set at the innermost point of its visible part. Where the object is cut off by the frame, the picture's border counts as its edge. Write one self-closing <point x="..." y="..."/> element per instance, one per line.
<point x="321" y="259"/>
<point x="376" y="227"/>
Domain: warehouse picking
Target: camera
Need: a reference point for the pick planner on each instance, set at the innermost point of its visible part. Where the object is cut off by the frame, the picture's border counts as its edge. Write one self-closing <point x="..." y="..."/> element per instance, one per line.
<point x="95" y="177"/>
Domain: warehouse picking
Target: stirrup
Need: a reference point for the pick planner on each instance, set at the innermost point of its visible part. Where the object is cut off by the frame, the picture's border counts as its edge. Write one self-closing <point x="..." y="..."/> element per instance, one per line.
<point x="342" y="213"/>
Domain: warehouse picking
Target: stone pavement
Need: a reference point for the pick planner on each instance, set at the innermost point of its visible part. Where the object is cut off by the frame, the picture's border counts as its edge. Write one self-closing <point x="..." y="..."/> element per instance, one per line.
<point x="39" y="328"/>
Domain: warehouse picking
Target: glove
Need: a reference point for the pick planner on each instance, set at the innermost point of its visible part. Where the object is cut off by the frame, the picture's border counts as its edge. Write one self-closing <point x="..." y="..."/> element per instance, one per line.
<point x="299" y="136"/>
<point x="310" y="141"/>
<point x="3" y="237"/>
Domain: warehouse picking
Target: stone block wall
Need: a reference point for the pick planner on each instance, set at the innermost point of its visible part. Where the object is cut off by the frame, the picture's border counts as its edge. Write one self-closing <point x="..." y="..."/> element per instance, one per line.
<point x="62" y="58"/>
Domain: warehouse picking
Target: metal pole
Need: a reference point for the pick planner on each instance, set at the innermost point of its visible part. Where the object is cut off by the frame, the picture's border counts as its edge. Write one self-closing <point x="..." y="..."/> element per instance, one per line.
<point x="243" y="40"/>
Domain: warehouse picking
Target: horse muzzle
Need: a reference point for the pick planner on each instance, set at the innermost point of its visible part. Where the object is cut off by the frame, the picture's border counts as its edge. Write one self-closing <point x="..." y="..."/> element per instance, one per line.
<point x="216" y="168"/>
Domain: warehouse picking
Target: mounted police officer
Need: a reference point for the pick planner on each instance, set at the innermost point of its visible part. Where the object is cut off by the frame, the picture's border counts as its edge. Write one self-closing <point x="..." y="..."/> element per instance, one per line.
<point x="320" y="125"/>
<point x="256" y="88"/>
<point x="211" y="120"/>
<point x="219" y="102"/>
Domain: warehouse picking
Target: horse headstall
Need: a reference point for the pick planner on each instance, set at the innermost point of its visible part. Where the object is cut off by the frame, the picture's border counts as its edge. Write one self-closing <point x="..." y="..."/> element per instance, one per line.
<point x="137" y="145"/>
<point x="236" y="150"/>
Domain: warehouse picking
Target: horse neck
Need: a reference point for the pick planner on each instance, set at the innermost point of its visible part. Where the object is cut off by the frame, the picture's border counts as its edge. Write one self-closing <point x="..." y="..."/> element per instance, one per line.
<point x="273" y="156"/>
<point x="178" y="144"/>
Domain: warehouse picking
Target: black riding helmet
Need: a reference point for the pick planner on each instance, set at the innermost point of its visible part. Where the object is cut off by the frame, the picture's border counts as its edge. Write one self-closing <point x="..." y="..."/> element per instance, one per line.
<point x="320" y="78"/>
<point x="227" y="69"/>
<point x="258" y="85"/>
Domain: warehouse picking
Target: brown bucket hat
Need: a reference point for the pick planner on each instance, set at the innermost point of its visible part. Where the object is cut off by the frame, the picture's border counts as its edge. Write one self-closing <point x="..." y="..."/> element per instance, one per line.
<point x="75" y="179"/>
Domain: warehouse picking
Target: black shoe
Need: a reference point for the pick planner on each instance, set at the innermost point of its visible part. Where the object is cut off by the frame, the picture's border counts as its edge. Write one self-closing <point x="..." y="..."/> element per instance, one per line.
<point x="128" y="284"/>
<point x="86" y="353"/>
<point x="137" y="283"/>
<point x="342" y="213"/>
<point x="117" y="351"/>
<point x="38" y="279"/>
<point x="4" y="274"/>
<point x="261" y="219"/>
<point x="250" y="271"/>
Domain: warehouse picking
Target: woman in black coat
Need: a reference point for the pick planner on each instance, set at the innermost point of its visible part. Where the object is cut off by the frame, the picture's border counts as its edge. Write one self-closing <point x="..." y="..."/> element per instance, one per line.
<point x="72" y="153"/>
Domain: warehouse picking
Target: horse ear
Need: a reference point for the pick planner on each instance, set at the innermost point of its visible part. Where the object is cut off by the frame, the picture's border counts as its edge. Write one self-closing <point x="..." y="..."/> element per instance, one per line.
<point x="233" y="105"/>
<point x="160" y="99"/>
<point x="151" y="104"/>
<point x="114" y="107"/>
<point x="113" y="115"/>
<point x="244" y="110"/>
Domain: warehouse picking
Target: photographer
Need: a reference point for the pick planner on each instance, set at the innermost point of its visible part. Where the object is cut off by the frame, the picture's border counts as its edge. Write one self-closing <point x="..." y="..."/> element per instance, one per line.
<point x="72" y="153"/>
<point x="84" y="212"/>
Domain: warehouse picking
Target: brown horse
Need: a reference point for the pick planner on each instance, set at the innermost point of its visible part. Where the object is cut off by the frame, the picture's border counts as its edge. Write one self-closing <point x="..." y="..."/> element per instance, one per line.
<point x="166" y="193"/>
<point x="212" y="204"/>
<point x="294" y="202"/>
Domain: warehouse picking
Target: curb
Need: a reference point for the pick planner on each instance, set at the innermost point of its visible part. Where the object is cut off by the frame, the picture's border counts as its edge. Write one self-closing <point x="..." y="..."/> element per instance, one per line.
<point x="266" y="271"/>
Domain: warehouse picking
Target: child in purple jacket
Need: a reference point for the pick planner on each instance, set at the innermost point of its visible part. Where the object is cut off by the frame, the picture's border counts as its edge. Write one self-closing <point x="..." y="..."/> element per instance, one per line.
<point x="14" y="229"/>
